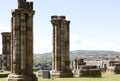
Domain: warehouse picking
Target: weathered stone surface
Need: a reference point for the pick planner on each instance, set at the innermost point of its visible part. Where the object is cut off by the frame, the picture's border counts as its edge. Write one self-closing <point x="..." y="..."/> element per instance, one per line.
<point x="43" y="74"/>
<point x="76" y="64"/>
<point x="39" y="73"/>
<point x="24" y="4"/>
<point x="22" y="43"/>
<point x="2" y="74"/>
<point x="6" y="56"/>
<point x="59" y="74"/>
<point x="88" y="71"/>
<point x="21" y="78"/>
<point x="100" y="64"/>
<point x="114" y="67"/>
<point x="80" y="69"/>
<point x="0" y="62"/>
<point x="46" y="74"/>
<point x="60" y="56"/>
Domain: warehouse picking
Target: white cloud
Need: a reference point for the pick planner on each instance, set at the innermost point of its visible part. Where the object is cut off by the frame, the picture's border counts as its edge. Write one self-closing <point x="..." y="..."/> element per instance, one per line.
<point x="76" y="43"/>
<point x="42" y="45"/>
<point x="4" y="28"/>
<point x="89" y="43"/>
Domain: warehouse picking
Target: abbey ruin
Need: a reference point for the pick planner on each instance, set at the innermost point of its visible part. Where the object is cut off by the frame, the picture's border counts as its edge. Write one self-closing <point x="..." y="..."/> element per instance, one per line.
<point x="17" y="50"/>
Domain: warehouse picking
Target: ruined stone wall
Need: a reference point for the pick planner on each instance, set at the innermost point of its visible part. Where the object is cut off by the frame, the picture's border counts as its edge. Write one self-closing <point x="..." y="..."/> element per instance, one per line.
<point x="60" y="56"/>
<point x="22" y="43"/>
<point x="60" y="43"/>
<point x="114" y="67"/>
<point x="0" y="62"/>
<point x="6" y="55"/>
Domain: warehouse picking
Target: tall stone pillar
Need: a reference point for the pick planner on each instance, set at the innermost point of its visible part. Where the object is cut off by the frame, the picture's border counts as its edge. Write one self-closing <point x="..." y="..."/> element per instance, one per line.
<point x="60" y="56"/>
<point x="0" y="61"/>
<point x="6" y="60"/>
<point x="22" y="43"/>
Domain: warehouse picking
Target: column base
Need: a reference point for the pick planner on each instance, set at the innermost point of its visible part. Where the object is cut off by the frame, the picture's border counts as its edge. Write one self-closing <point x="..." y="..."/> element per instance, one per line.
<point x="87" y="73"/>
<point x="14" y="77"/>
<point x="60" y="74"/>
<point x="43" y="74"/>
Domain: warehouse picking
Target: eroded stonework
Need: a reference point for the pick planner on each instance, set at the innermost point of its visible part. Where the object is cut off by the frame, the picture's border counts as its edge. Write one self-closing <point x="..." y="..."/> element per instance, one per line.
<point x="60" y="56"/>
<point x="22" y="43"/>
<point x="6" y="55"/>
<point x="0" y="62"/>
<point x="114" y="67"/>
<point x="80" y="69"/>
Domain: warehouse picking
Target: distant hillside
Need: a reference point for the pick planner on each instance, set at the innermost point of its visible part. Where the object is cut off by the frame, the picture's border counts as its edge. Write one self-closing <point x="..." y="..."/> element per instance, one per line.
<point x="92" y="52"/>
<point x="80" y="53"/>
<point x="47" y="57"/>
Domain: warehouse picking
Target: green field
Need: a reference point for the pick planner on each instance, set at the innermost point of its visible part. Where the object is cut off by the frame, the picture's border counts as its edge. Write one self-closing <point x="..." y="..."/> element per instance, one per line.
<point x="105" y="77"/>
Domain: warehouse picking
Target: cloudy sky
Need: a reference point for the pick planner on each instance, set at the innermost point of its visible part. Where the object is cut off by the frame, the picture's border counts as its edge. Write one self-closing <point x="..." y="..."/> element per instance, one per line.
<point x="95" y="24"/>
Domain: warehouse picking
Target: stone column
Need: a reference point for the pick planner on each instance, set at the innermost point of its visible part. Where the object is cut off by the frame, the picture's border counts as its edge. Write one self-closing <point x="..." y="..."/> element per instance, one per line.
<point x="6" y="61"/>
<point x="60" y="59"/>
<point x="66" y="39"/>
<point x="22" y="43"/>
<point x="75" y="63"/>
<point x="72" y="65"/>
<point x="53" y="55"/>
<point x="57" y="47"/>
<point x="0" y="62"/>
<point x="29" y="47"/>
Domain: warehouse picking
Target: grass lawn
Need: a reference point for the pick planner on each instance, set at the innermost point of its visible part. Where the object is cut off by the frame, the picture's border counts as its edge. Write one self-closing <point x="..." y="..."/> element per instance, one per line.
<point x="2" y="79"/>
<point x="105" y="77"/>
<point x="5" y="72"/>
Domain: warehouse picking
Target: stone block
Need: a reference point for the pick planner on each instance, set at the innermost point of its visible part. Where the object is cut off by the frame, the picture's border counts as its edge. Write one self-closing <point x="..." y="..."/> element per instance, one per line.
<point x="114" y="67"/>
<point x="13" y="77"/>
<point x="61" y="74"/>
<point x="87" y="71"/>
<point x="45" y="74"/>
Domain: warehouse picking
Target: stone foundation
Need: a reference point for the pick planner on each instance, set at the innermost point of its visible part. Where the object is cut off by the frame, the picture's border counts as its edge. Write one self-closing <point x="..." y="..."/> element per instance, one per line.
<point x="90" y="73"/>
<point x="113" y="70"/>
<point x="4" y="75"/>
<point x="87" y="71"/>
<point x="43" y="74"/>
<point x="114" y="67"/>
<point x="13" y="77"/>
<point x="60" y="74"/>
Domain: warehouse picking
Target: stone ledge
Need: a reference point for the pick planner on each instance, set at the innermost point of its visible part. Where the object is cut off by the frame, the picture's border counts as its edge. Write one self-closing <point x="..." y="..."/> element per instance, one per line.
<point x="61" y="74"/>
<point x="13" y="77"/>
<point x="4" y="73"/>
<point x="88" y="73"/>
